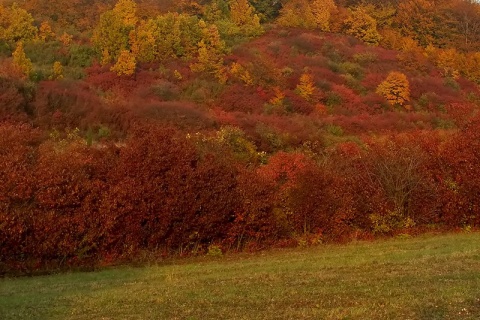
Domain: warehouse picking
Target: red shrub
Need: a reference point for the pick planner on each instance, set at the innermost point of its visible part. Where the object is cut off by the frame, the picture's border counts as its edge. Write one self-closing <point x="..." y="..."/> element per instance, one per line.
<point x="461" y="182"/>
<point x="183" y="115"/>
<point x="238" y="97"/>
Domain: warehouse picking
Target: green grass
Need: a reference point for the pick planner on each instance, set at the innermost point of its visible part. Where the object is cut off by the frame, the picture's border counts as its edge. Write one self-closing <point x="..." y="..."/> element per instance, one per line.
<point x="429" y="277"/>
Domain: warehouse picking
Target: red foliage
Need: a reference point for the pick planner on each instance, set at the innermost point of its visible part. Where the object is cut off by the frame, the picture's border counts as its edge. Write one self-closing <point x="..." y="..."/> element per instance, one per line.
<point x="461" y="113"/>
<point x="256" y="223"/>
<point x="460" y="183"/>
<point x="283" y="168"/>
<point x="14" y="102"/>
<point x="64" y="104"/>
<point x="320" y="204"/>
<point x="437" y="85"/>
<point x="183" y="115"/>
<point x="149" y="186"/>
<point x="18" y="154"/>
<point x="238" y="97"/>
<point x="119" y="87"/>
<point x="351" y="102"/>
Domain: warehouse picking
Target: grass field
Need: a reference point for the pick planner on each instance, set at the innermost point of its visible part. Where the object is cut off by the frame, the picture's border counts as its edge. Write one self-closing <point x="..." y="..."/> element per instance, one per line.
<point x="429" y="277"/>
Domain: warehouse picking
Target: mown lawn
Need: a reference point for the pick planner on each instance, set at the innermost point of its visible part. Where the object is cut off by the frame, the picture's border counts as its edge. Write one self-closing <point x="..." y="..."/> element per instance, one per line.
<point x="429" y="277"/>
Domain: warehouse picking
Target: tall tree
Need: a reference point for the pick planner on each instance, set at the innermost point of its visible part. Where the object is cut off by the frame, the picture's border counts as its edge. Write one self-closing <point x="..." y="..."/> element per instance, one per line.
<point x="361" y="25"/>
<point x="126" y="10"/>
<point x="467" y="17"/>
<point x="112" y="34"/>
<point x="243" y="15"/>
<point x="21" y="61"/>
<point x="211" y="49"/>
<point x="297" y="13"/>
<point x="395" y="89"/>
<point x="125" y="64"/>
<point x="16" y="24"/>
<point x="322" y="11"/>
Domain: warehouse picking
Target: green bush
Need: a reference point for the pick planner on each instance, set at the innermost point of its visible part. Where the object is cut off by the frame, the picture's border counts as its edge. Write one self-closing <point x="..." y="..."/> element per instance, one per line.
<point x="333" y="99"/>
<point x="80" y="56"/>
<point x="351" y="68"/>
<point x="44" y="53"/>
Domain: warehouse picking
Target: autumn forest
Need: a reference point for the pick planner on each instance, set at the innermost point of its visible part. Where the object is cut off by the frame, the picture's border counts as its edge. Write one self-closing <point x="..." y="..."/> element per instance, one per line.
<point x="171" y="128"/>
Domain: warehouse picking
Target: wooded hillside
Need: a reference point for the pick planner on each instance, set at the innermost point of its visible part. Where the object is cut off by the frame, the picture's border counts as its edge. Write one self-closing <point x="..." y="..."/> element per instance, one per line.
<point x="174" y="127"/>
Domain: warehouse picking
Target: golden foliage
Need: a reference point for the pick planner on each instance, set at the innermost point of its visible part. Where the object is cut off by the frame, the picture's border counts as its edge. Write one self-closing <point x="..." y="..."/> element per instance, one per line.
<point x="143" y="41"/>
<point x="106" y="58"/>
<point x="177" y="75"/>
<point x="297" y="13"/>
<point x="395" y="89"/>
<point x="243" y="15"/>
<point x="125" y="64"/>
<point x="57" y="70"/>
<point x="412" y="56"/>
<point x="45" y="32"/>
<point x="450" y="62"/>
<point x="277" y="99"/>
<point x="210" y="53"/>
<point x="322" y="11"/>
<point x="126" y="10"/>
<point x="240" y="72"/>
<point x="391" y="39"/>
<point x="416" y="20"/>
<point x="16" y="24"/>
<point x="112" y="34"/>
<point x="361" y="25"/>
<point x="21" y="61"/>
<point x="472" y="67"/>
<point x="306" y="87"/>
<point x="66" y="39"/>
<point x="383" y="14"/>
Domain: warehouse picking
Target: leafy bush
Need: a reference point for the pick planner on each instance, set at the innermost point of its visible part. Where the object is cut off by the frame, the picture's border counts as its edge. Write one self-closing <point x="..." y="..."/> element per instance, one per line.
<point x="365" y="58"/>
<point x="80" y="56"/>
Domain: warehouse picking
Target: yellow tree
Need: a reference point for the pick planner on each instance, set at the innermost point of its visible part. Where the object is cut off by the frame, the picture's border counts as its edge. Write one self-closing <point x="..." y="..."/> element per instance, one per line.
<point x="66" y="39"/>
<point x="395" y="89"/>
<point x="297" y="13"/>
<point x="322" y="11"/>
<point x="212" y="12"/>
<point x="126" y="10"/>
<point x="157" y="38"/>
<point x="21" y="61"/>
<point x="238" y="71"/>
<point x="112" y="34"/>
<point x="211" y="50"/>
<point x="16" y="24"/>
<point x="412" y="56"/>
<point x="450" y="61"/>
<point x="278" y="98"/>
<point x="428" y="21"/>
<point x="384" y="14"/>
<point x="361" y="25"/>
<point x="306" y="87"/>
<point x="57" y="70"/>
<point x="45" y="32"/>
<point x="472" y="66"/>
<point x="243" y="15"/>
<point x="125" y="64"/>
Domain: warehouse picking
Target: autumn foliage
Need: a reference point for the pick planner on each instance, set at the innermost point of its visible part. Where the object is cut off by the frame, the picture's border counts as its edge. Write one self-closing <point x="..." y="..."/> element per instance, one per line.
<point x="134" y="130"/>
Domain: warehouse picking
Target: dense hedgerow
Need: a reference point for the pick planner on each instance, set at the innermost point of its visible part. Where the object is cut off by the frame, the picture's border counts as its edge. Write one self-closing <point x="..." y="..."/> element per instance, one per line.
<point x="65" y="202"/>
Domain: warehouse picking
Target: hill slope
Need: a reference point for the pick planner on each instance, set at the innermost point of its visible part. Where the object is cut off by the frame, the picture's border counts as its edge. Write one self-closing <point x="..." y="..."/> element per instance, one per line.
<point x="172" y="133"/>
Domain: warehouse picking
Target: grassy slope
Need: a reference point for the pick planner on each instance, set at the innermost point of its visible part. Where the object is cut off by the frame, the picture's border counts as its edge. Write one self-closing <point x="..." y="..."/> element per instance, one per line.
<point x="430" y="277"/>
